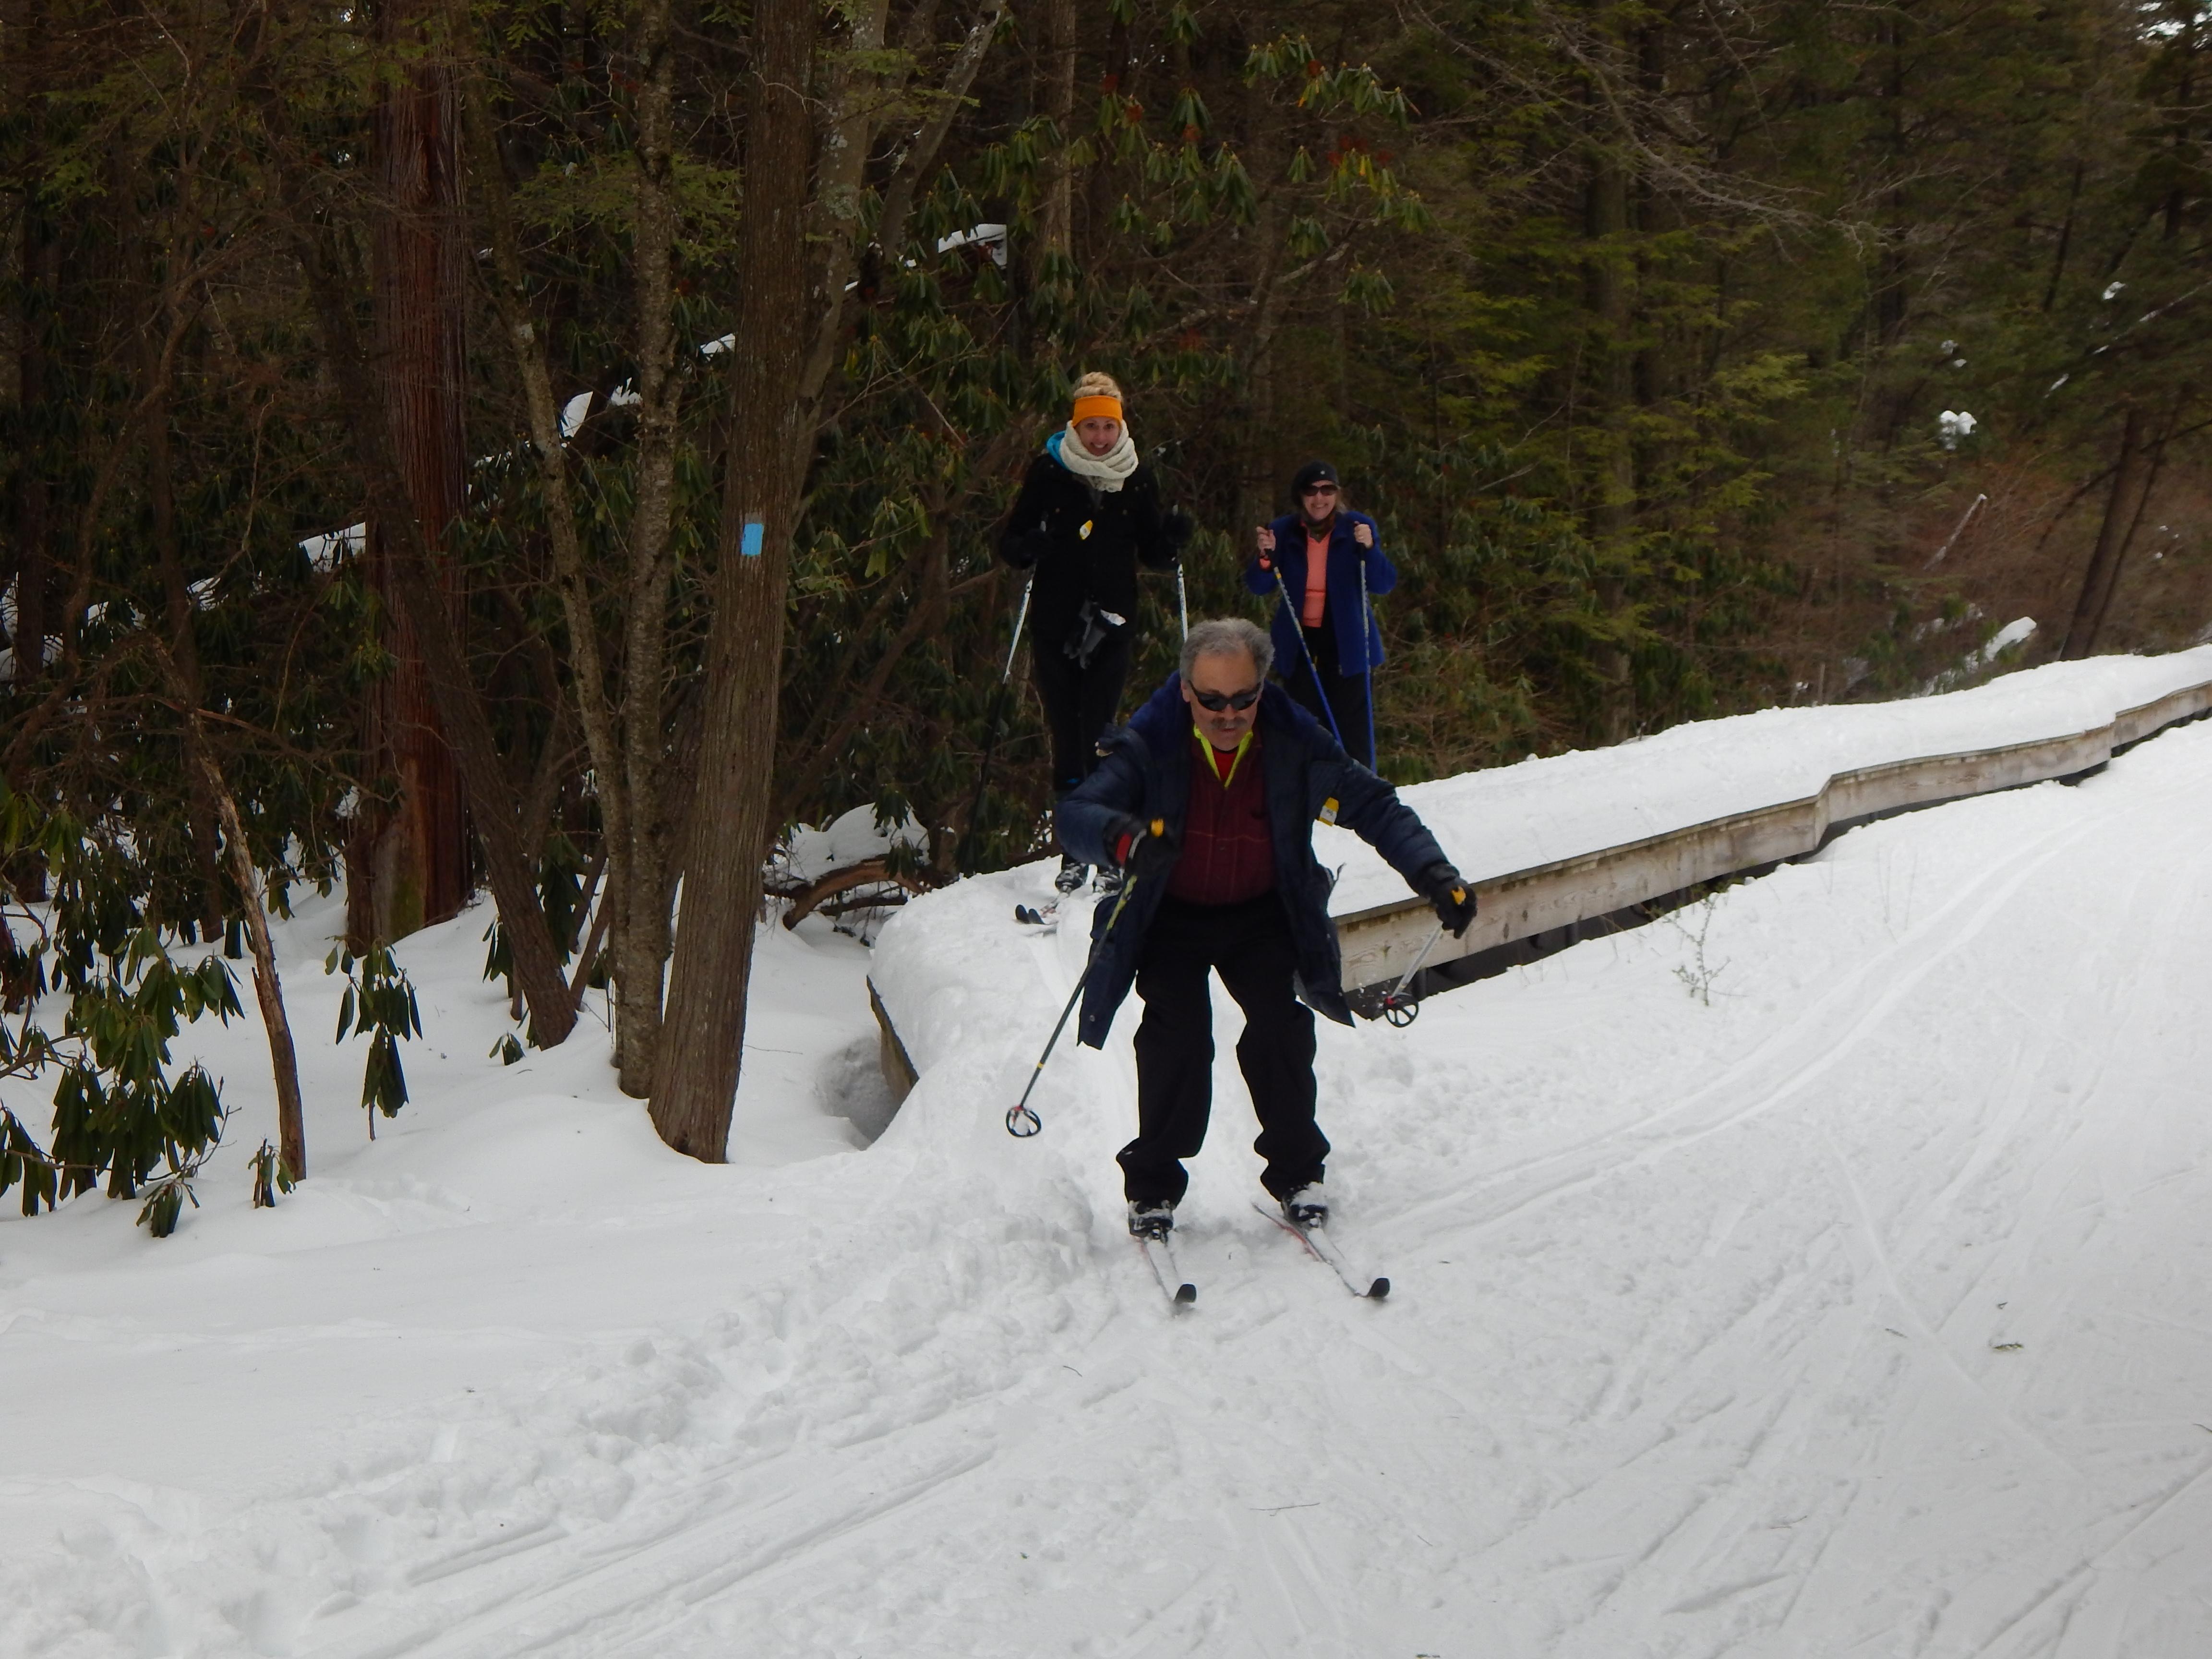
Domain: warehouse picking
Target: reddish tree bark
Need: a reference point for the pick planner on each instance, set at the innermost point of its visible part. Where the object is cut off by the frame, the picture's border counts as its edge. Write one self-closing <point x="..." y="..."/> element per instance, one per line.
<point x="408" y="860"/>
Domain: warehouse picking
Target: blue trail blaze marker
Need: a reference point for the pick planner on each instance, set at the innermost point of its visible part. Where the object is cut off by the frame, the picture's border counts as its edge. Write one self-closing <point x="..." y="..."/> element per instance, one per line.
<point x="755" y="532"/>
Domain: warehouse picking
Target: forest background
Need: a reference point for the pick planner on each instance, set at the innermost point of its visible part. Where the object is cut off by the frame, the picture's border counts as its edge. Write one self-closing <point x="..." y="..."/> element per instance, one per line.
<point x="675" y="360"/>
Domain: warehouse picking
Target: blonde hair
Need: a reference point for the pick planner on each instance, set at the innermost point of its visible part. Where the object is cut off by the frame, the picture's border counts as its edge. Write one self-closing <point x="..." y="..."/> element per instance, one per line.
<point x="1095" y="385"/>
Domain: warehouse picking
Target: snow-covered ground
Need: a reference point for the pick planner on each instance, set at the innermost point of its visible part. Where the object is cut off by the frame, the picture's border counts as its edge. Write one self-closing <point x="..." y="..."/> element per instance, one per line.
<point x="1850" y="1293"/>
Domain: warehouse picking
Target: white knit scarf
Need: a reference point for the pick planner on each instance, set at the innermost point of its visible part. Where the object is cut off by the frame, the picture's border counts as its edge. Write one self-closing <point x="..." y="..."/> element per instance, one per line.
<point x="1109" y="471"/>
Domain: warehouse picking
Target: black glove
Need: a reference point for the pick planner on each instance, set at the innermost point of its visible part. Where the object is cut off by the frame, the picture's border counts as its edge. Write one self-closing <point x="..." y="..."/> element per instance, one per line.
<point x="1447" y="890"/>
<point x="1142" y="849"/>
<point x="1023" y="548"/>
<point x="1175" y="526"/>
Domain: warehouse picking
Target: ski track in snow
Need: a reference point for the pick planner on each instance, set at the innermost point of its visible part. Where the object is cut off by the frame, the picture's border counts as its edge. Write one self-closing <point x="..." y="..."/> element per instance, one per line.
<point x="1699" y="1342"/>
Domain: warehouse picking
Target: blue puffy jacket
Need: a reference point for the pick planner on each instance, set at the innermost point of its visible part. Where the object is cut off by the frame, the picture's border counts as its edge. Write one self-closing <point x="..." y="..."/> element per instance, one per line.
<point x="1146" y="774"/>
<point x="1345" y="558"/>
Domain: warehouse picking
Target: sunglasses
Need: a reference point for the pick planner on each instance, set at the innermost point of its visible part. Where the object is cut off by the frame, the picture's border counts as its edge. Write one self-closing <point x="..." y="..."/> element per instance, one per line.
<point x="1320" y="489"/>
<point x="1219" y="701"/>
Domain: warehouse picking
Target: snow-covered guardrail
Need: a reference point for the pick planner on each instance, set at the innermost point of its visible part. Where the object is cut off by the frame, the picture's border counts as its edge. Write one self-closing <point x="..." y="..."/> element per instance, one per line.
<point x="1520" y="911"/>
<point x="1569" y="845"/>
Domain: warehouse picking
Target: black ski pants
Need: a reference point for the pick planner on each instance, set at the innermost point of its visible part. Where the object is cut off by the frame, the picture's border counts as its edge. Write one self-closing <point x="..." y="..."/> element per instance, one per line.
<point x="1078" y="700"/>
<point x="1347" y="693"/>
<point x="1250" y="944"/>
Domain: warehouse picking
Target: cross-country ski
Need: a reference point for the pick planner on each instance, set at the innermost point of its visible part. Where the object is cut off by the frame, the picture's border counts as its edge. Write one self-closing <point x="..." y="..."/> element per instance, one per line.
<point x="1159" y="1255"/>
<point x="1323" y="1250"/>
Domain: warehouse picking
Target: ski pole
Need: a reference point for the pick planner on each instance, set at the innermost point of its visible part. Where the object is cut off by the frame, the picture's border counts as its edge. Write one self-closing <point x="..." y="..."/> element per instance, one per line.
<point x="998" y="723"/>
<point x="1021" y="1121"/>
<point x="1367" y="654"/>
<point x="1398" y="1008"/>
<point x="1021" y="617"/>
<point x="1182" y="598"/>
<point x="1321" y="695"/>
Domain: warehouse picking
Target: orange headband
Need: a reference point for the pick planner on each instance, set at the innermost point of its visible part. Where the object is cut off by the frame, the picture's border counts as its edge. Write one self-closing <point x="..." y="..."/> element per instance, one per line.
<point x="1101" y="408"/>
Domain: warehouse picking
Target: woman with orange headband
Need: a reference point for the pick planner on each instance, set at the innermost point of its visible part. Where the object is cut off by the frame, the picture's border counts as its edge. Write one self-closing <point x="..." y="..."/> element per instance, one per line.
<point x="1089" y="510"/>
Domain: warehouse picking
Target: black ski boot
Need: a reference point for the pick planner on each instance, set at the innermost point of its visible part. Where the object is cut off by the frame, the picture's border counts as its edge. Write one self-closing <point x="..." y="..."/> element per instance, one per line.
<point x="1151" y="1217"/>
<point x="1307" y="1207"/>
<point x="1072" y="876"/>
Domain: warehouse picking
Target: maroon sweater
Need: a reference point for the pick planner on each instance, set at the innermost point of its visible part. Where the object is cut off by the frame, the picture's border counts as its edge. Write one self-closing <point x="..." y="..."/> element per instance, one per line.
<point x="1228" y="856"/>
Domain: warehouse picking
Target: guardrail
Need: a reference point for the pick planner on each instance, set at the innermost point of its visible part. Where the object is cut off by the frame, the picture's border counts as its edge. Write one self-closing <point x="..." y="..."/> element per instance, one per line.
<point x="1529" y="913"/>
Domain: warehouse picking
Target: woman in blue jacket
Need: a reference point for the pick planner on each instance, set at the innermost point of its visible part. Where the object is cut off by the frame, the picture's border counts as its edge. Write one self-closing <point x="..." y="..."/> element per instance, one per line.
<point x="1313" y="562"/>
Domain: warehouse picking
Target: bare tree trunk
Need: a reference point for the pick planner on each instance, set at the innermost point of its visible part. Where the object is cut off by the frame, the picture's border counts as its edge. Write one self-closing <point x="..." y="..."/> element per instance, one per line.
<point x="37" y="278"/>
<point x="626" y="733"/>
<point x="283" y="1058"/>
<point x="176" y="600"/>
<point x="704" y="1037"/>
<point x="460" y="705"/>
<point x="1258" y="485"/>
<point x="2103" y="574"/>
<point x="34" y="566"/>
<point x="2128" y="540"/>
<point x="1612" y="514"/>
<point x="331" y="281"/>
<point x="642" y="935"/>
<point x="596" y="707"/>
<point x="921" y="153"/>
<point x="268" y="989"/>
<point x="407" y="864"/>
<point x="1056" y="223"/>
<point x="850" y="115"/>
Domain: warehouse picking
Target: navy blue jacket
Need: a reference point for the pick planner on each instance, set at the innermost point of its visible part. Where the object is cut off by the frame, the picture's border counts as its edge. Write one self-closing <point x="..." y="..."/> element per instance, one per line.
<point x="1146" y="774"/>
<point x="1344" y="612"/>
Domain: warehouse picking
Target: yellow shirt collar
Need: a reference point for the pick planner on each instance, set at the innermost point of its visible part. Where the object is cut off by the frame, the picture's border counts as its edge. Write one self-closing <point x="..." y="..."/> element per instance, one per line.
<point x="1242" y="744"/>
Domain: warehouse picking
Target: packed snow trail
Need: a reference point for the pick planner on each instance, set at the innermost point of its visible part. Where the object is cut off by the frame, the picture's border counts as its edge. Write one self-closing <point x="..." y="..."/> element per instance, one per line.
<point x="1859" y="1302"/>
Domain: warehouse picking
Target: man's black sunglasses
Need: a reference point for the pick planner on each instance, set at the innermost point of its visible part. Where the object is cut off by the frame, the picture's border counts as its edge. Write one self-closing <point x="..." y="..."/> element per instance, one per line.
<point x="1217" y="701"/>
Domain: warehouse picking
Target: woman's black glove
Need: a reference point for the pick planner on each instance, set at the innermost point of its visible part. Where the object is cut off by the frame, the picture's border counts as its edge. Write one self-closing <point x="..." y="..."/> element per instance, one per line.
<point x="1175" y="526"/>
<point x="1142" y="849"/>
<point x="1447" y="890"/>
<point x="1023" y="548"/>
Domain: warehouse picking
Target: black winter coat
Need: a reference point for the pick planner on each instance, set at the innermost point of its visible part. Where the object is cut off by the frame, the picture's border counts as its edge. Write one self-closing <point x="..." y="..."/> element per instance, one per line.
<point x="1047" y="531"/>
<point x="1146" y="774"/>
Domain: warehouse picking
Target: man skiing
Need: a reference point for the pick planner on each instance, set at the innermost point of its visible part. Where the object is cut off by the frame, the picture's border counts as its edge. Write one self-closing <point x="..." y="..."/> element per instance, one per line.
<point x="1233" y="773"/>
<point x="1321" y="563"/>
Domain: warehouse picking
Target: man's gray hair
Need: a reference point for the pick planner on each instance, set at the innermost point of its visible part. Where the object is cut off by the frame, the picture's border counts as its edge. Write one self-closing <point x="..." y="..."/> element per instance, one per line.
<point x="1223" y="636"/>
